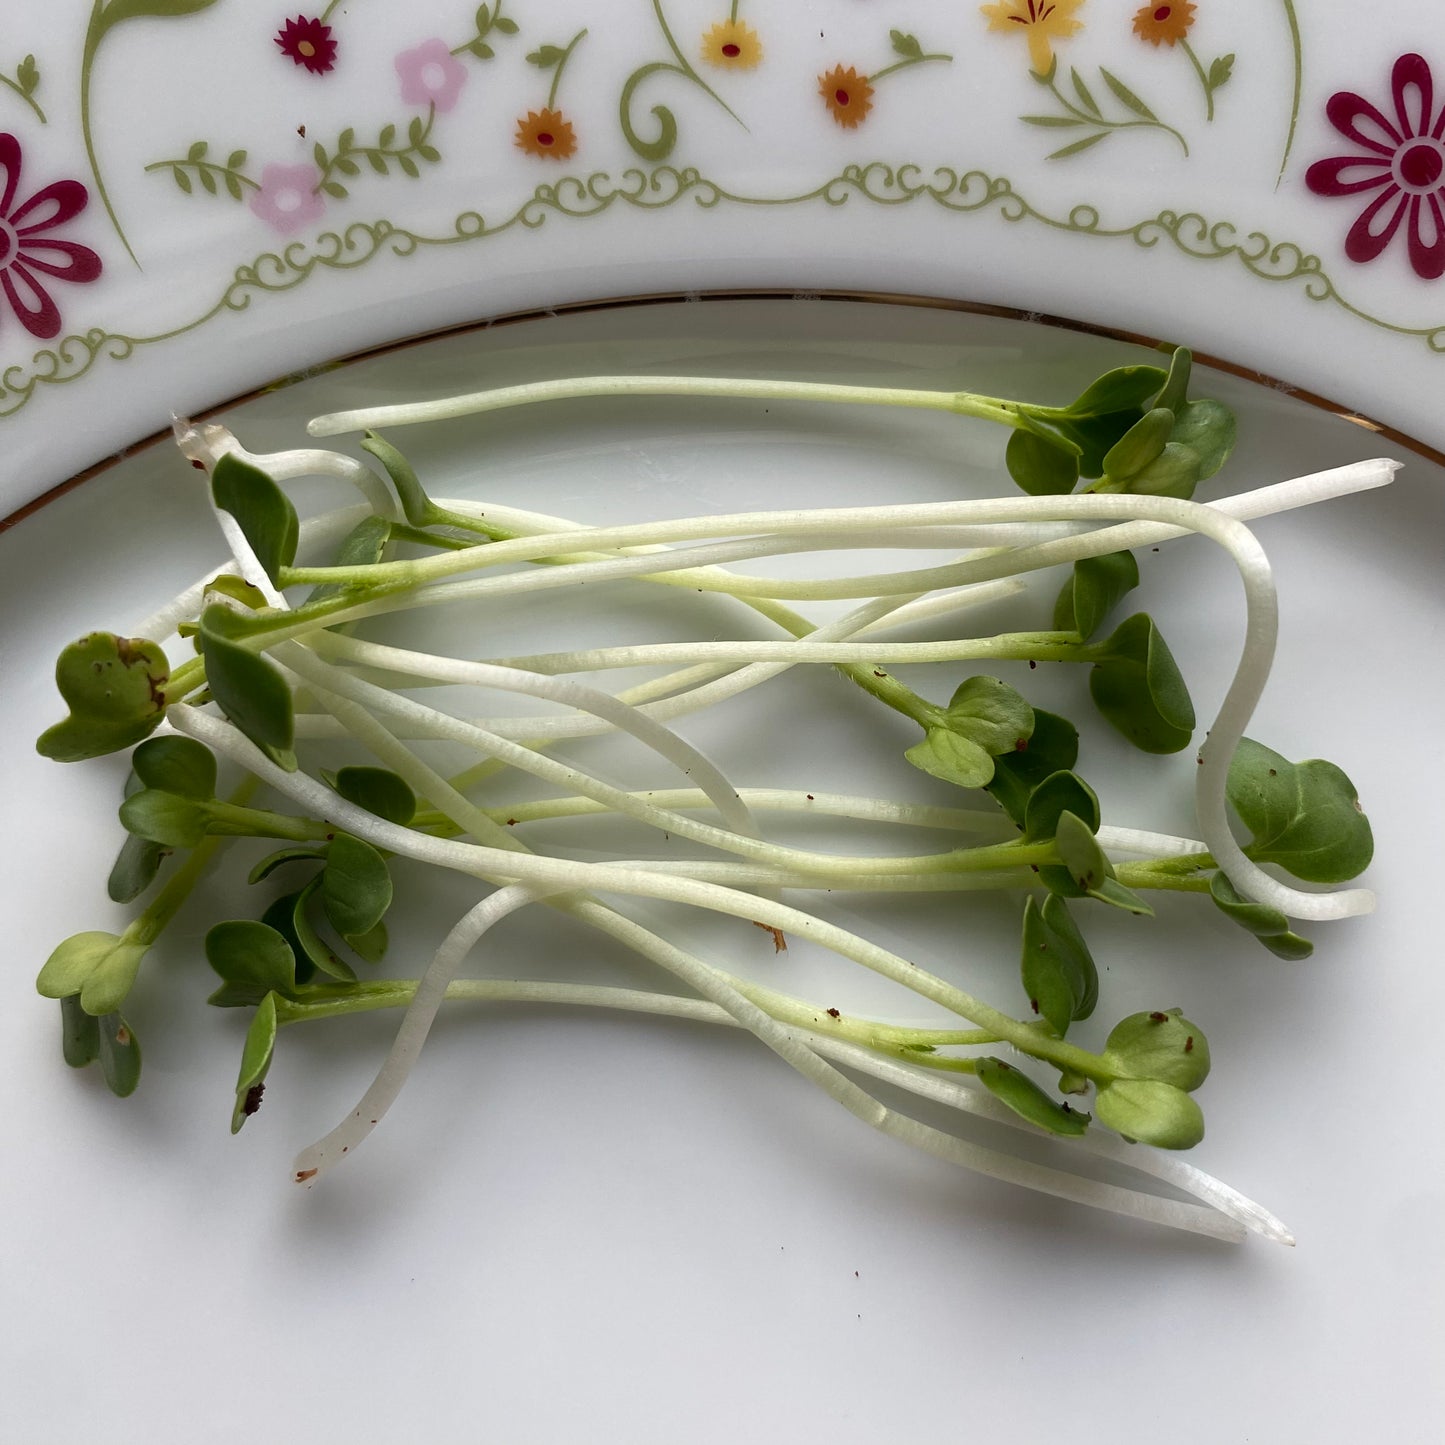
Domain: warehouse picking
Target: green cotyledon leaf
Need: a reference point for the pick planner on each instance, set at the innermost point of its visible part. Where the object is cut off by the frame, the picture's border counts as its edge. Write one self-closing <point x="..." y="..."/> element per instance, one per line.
<point x="1014" y="1088"/>
<point x="1306" y="816"/>
<point x="115" y="690"/>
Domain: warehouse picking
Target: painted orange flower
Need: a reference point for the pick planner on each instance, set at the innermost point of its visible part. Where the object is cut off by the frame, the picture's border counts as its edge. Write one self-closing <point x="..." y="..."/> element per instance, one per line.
<point x="1040" y="21"/>
<point x="546" y="133"/>
<point x="1164" y="24"/>
<point x="732" y="45"/>
<point x="847" y="95"/>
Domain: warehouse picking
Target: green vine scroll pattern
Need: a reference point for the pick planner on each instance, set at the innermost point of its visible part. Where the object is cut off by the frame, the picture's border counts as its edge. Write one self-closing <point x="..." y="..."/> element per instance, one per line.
<point x="661" y="147"/>
<point x="105" y="15"/>
<point x="577" y="197"/>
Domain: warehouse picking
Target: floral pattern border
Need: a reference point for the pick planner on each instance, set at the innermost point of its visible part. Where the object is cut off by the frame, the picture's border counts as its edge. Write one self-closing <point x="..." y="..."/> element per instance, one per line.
<point x="578" y="197"/>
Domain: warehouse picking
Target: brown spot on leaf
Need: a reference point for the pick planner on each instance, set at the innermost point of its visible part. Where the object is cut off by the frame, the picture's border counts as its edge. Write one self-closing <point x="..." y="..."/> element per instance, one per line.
<point x="302" y="1175"/>
<point x="252" y="1102"/>
<point x="1158" y="1018"/>
<point x="1189" y="1044"/>
<point x="122" y="1036"/>
<point x="834" y="1014"/>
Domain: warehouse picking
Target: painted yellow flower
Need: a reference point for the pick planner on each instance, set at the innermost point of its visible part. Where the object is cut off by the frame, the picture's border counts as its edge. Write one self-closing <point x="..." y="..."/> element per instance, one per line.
<point x="1164" y="24"/>
<point x="733" y="45"/>
<point x="1042" y="21"/>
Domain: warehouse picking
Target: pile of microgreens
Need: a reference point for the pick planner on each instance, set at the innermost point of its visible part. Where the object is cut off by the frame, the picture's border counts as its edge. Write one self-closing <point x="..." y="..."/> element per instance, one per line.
<point x="277" y="668"/>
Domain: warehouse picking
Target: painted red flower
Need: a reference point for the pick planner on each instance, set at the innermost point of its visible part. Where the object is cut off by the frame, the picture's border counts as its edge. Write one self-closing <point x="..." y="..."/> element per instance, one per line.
<point x="307" y="42"/>
<point x="1401" y="159"/>
<point x="26" y="249"/>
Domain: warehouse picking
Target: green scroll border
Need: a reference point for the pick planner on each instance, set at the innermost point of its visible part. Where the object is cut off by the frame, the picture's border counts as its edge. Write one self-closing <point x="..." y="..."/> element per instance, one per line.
<point x="575" y="197"/>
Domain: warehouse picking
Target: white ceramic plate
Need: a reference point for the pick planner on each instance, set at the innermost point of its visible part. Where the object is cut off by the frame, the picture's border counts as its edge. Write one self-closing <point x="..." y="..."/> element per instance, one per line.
<point x="197" y="198"/>
<point x="603" y="1228"/>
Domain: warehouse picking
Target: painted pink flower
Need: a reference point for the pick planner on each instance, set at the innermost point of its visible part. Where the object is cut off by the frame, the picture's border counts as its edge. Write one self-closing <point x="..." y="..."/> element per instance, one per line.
<point x="287" y="198"/>
<point x="26" y="249"/>
<point x="431" y="75"/>
<point x="1401" y="159"/>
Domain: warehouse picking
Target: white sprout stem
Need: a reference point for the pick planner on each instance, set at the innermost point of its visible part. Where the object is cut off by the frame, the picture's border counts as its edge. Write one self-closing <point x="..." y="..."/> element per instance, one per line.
<point x="954" y="1093"/>
<point x="860" y="809"/>
<point x="688" y="760"/>
<point x="734" y="682"/>
<point x="571" y="388"/>
<point x="480" y="861"/>
<point x="1250" y="676"/>
<point x="658" y="654"/>
<point x="416" y="1024"/>
<point x="717" y="988"/>
<point x="441" y="726"/>
<point x="876" y="521"/>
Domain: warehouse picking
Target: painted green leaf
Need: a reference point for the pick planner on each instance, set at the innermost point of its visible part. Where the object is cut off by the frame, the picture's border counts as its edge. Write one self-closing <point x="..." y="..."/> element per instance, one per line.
<point x="28" y="75"/>
<point x="1039" y="466"/>
<point x="256" y="1055"/>
<point x="545" y="56"/>
<point x="251" y="692"/>
<point x="386" y="137"/>
<point x="262" y="510"/>
<point x="1267" y="924"/>
<point x="113" y="687"/>
<point x="505" y="24"/>
<point x="1220" y="69"/>
<point x="1075" y="147"/>
<point x="1055" y="965"/>
<point x="1306" y="817"/>
<point x="409" y="166"/>
<point x="1016" y="1089"/>
<point x="1126" y="95"/>
<point x="355" y="886"/>
<point x="1137" y="686"/>
<point x="119" y="1055"/>
<point x="954" y="759"/>
<point x="79" y="1033"/>
<point x="1150" y="1113"/>
<point x="1053" y="122"/>
<point x="1053" y="747"/>
<point x="1082" y="91"/>
<point x="1096" y="587"/>
<point x="118" y="11"/>
<point x="905" y="45"/>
